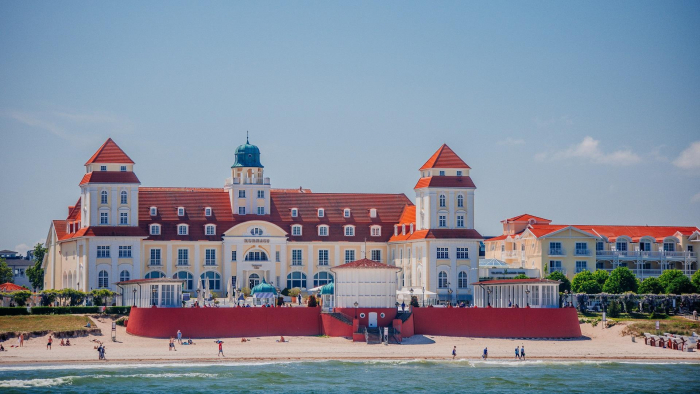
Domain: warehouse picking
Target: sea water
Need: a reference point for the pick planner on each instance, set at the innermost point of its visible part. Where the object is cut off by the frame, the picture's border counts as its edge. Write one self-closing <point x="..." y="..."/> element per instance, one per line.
<point x="357" y="376"/>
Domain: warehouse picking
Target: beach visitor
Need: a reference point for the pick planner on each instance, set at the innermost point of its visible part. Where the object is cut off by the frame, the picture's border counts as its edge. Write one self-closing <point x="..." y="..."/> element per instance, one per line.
<point x="454" y="352"/>
<point x="299" y="299"/>
<point x="68" y="342"/>
<point x="179" y="337"/>
<point x="486" y="353"/>
<point x="695" y="314"/>
<point x="21" y="339"/>
<point x="281" y="339"/>
<point x="517" y="352"/>
<point x="172" y="344"/>
<point x="221" y="349"/>
<point x="403" y="306"/>
<point x="2" y="348"/>
<point x="62" y="343"/>
<point x="522" y="352"/>
<point x="48" y="345"/>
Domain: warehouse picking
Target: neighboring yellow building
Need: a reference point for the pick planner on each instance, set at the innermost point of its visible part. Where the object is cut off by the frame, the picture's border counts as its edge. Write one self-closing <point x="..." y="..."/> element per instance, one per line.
<point x="533" y="242"/>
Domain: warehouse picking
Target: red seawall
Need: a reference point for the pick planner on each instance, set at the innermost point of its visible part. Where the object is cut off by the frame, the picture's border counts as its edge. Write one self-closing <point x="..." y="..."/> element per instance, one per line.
<point x="497" y="322"/>
<point x="389" y="315"/>
<point x="334" y="328"/>
<point x="223" y="322"/>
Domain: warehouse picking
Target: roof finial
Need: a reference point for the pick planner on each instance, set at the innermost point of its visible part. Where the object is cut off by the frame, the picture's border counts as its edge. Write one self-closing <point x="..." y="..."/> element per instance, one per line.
<point x="246" y="137"/>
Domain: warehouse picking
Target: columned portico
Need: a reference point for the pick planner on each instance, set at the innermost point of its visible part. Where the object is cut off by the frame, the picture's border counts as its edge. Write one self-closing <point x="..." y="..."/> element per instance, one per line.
<point x="520" y="293"/>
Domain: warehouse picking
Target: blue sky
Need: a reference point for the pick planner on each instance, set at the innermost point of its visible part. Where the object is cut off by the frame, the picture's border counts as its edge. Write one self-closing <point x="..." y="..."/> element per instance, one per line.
<point x="580" y="112"/>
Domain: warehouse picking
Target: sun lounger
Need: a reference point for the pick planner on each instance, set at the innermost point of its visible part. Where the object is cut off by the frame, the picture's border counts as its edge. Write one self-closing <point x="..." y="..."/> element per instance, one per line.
<point x="647" y="338"/>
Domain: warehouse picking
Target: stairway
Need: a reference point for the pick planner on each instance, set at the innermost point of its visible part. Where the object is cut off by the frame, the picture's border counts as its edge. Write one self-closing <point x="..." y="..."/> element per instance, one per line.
<point x="372" y="335"/>
<point x="403" y="316"/>
<point x="343" y="318"/>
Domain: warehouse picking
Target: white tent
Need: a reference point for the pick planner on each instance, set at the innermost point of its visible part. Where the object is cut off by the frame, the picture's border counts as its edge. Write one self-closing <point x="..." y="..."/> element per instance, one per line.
<point x="230" y="293"/>
<point x="200" y="293"/>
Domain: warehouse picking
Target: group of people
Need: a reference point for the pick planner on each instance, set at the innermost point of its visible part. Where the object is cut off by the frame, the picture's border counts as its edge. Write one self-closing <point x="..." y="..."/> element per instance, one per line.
<point x="101" y="348"/>
<point x="66" y="343"/>
<point x="519" y="353"/>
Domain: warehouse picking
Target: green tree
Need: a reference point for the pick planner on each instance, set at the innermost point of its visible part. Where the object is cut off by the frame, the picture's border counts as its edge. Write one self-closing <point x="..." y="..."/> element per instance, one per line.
<point x="74" y="297"/>
<point x="35" y="273"/>
<point x="565" y="283"/>
<point x="696" y="281"/>
<point x="614" y="308"/>
<point x="21" y="297"/>
<point x="651" y="286"/>
<point x="590" y="287"/>
<point x="5" y="272"/>
<point x="521" y="276"/>
<point x="621" y="280"/>
<point x="675" y="282"/>
<point x="99" y="296"/>
<point x="601" y="276"/>
<point x="579" y="279"/>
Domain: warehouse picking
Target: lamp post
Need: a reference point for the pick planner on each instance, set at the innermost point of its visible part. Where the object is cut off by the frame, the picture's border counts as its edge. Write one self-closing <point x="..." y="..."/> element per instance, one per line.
<point x="411" y="300"/>
<point x="397" y="307"/>
<point x="566" y="296"/>
<point x="424" y="296"/>
<point x="488" y="297"/>
<point x="449" y="292"/>
<point x="134" y="296"/>
<point x="527" y="294"/>
<point x="154" y="294"/>
<point x="356" y="305"/>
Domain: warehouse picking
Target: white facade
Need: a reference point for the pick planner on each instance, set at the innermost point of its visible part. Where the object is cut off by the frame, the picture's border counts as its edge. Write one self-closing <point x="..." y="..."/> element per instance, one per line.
<point x="369" y="287"/>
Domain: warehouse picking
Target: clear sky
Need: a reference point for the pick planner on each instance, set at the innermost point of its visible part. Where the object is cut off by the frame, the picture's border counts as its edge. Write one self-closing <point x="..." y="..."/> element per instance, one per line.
<point x="580" y="112"/>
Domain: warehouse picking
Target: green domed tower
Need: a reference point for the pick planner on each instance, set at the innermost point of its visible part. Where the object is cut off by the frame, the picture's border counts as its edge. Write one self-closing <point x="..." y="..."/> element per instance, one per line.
<point x="247" y="155"/>
<point x="248" y="189"/>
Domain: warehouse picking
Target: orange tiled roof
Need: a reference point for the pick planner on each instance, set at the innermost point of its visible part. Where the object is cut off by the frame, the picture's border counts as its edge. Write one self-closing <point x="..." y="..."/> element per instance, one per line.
<point x="525" y="218"/>
<point x="109" y="177"/>
<point x="445" y="181"/>
<point x="408" y="215"/>
<point x="439" y="233"/>
<point x="110" y="152"/>
<point x="365" y="264"/>
<point x="9" y="287"/>
<point x="540" y="230"/>
<point x="659" y="233"/>
<point x="444" y="158"/>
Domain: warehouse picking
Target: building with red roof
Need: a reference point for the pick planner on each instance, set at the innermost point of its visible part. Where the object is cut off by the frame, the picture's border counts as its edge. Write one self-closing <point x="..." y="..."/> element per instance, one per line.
<point x="247" y="231"/>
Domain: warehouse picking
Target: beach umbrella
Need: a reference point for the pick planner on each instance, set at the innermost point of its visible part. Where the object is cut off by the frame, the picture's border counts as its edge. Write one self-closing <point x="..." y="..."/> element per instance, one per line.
<point x="230" y="293"/>
<point x="206" y="288"/>
<point x="200" y="293"/>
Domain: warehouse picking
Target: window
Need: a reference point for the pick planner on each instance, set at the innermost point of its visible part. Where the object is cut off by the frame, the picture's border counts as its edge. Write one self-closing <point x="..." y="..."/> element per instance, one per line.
<point x="103" y="279"/>
<point x="296" y="257"/>
<point x="296" y="279"/>
<point x="207" y="211"/>
<point x="277" y="256"/>
<point x="104" y="217"/>
<point x="346" y="213"/>
<point x="599" y="265"/>
<point x="210" y="229"/>
<point x="323" y="257"/>
<point x="322" y="279"/>
<point x="256" y="255"/>
<point x="154" y="294"/>
<point x="214" y="280"/>
<point x="241" y="194"/>
<point x="155" y="257"/>
<point x="103" y="197"/>
<point x="462" y="253"/>
<point x="261" y="210"/>
<point x="376" y="231"/>
<point x="555" y="248"/>
<point x="460" y="220"/>
<point x="102" y="252"/>
<point x="183" y="257"/>
<point x="599" y="246"/>
<point x="321" y="212"/>
<point x="645" y="246"/>
<point x="167" y="296"/>
<point x="103" y="168"/>
<point x="442" y="280"/>
<point x="122" y="168"/>
<point x="669" y="247"/>
<point x="256" y="231"/>
<point x="241" y="210"/>
<point x="125" y="252"/>
<point x="209" y="256"/>
<point x="295" y="212"/>
<point x="124" y="276"/>
<point x="155" y="229"/>
<point x="124" y="196"/>
<point x="373" y="213"/>
<point x="376" y="255"/>
<point x="123" y="217"/>
<point x="581" y="248"/>
<point x="253" y="280"/>
<point x="459" y="173"/>
<point x="442" y="200"/>
<point x="180" y="211"/>
<point x="462" y="280"/>
<point x="442" y="253"/>
<point x="188" y="285"/>
<point x="690" y="248"/>
<point x="349" y="231"/>
<point x="621" y="246"/>
<point x="349" y="255"/>
<point x="154" y="211"/>
<point x="554" y="266"/>
<point x="181" y="229"/>
<point x="581" y="266"/>
<point x="442" y="220"/>
<point x="296" y="229"/>
<point x="460" y="201"/>
<point x="233" y="255"/>
<point x="261" y="193"/>
<point x="442" y="173"/>
<point x="323" y="231"/>
<point x="154" y="275"/>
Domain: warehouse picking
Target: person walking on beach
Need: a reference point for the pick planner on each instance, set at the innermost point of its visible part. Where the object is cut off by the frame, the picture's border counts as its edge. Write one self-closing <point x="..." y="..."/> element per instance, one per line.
<point x="21" y="339"/>
<point x="517" y="352"/>
<point x="522" y="352"/>
<point x="179" y="337"/>
<point x="48" y="345"/>
<point x="172" y="344"/>
<point x="454" y="352"/>
<point x="221" y="349"/>
<point x="486" y="353"/>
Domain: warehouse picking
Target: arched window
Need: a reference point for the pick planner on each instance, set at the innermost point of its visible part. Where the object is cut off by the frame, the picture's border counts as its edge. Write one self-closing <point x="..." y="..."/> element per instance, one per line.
<point x="103" y="279"/>
<point x="442" y="280"/>
<point x="103" y="197"/>
<point x="322" y="278"/>
<point x="253" y="280"/>
<point x="460" y="201"/>
<point x="256" y="255"/>
<point x="296" y="279"/>
<point x="214" y="280"/>
<point x="442" y="200"/>
<point x="123" y="197"/>
<point x="256" y="231"/>
<point x="154" y="275"/>
<point x="462" y="281"/>
<point x="124" y="276"/>
<point x="188" y="285"/>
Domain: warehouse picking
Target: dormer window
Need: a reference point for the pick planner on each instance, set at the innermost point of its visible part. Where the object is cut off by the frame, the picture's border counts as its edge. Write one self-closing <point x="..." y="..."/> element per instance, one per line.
<point x="346" y="212"/>
<point x="396" y="230"/>
<point x="323" y="231"/>
<point x="459" y="173"/>
<point x="349" y="231"/>
<point x="207" y="211"/>
<point x="210" y="229"/>
<point x="411" y="228"/>
<point x="182" y="229"/>
<point x="442" y="173"/>
<point x="155" y="229"/>
<point x="376" y="231"/>
<point x="181" y="211"/>
<point x="373" y="213"/>
<point x="122" y="168"/>
<point x="103" y="168"/>
<point x="296" y="229"/>
<point x="321" y="212"/>
<point x="154" y="211"/>
<point x="295" y="212"/>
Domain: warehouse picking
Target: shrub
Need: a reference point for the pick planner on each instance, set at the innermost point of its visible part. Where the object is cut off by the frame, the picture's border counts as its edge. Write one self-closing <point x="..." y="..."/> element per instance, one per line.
<point x="285" y="292"/>
<point x="21" y="297"/>
<point x="312" y="301"/>
<point x="13" y="311"/>
<point x="651" y="286"/>
<point x="64" y="310"/>
<point x="675" y="282"/>
<point x="118" y="310"/>
<point x="246" y="291"/>
<point x="214" y="294"/>
<point x="121" y="320"/>
<point x="74" y="297"/>
<point x="521" y="276"/>
<point x="48" y="297"/>
<point x="601" y="277"/>
<point x="613" y="309"/>
<point x="99" y="296"/>
<point x="590" y="287"/>
<point x="696" y="281"/>
<point x="621" y="280"/>
<point x="565" y="283"/>
<point x="579" y="279"/>
<point x="294" y="292"/>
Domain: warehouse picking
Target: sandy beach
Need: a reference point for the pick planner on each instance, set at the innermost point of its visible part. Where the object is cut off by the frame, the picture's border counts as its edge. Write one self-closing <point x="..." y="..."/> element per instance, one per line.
<point x="596" y="344"/>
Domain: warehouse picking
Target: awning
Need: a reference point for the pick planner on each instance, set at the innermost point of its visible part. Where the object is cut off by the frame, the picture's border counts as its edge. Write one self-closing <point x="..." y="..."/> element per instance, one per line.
<point x="492" y="263"/>
<point x="416" y="292"/>
<point x="264" y="295"/>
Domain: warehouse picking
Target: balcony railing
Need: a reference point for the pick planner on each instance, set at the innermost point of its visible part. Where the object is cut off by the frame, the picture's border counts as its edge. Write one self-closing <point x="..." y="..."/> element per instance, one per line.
<point x="247" y="181"/>
<point x="297" y="262"/>
<point x="645" y="254"/>
<point x="582" y="252"/>
<point x="557" y="252"/>
<point x="183" y="262"/>
<point x="155" y="262"/>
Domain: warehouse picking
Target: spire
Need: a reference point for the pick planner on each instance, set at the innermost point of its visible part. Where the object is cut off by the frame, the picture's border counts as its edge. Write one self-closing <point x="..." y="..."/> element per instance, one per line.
<point x="246" y="138"/>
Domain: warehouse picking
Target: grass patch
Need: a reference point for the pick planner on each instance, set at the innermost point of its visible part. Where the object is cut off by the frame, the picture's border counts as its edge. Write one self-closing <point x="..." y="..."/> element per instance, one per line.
<point x="634" y="316"/>
<point x="672" y="326"/>
<point x="43" y="323"/>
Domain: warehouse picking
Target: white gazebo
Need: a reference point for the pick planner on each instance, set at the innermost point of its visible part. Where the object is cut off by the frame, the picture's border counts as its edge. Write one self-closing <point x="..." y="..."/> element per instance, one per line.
<point x="509" y="293"/>
<point x="145" y="293"/>
<point x="369" y="283"/>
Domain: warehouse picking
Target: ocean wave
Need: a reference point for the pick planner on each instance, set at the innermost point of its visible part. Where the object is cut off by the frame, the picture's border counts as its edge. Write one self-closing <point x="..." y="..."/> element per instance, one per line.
<point x="30" y="383"/>
<point x="118" y="366"/>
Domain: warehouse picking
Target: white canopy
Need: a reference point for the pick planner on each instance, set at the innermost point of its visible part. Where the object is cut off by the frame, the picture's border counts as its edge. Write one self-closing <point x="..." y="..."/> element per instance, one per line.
<point x="416" y="292"/>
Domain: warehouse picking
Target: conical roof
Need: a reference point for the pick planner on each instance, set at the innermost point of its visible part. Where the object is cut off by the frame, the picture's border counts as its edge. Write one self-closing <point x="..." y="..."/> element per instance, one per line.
<point x="263" y="287"/>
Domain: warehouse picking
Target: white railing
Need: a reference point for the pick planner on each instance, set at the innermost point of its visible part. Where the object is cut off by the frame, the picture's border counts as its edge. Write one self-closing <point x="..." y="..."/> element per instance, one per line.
<point x="582" y="252"/>
<point x="644" y="254"/>
<point x="557" y="252"/>
<point x="154" y="262"/>
<point x="509" y="254"/>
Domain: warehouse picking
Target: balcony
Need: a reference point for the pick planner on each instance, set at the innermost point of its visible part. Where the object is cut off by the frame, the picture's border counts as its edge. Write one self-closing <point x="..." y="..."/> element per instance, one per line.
<point x="557" y="252"/>
<point x="154" y="262"/>
<point x="297" y="263"/>
<point x="646" y="255"/>
<point x="209" y="262"/>
<point x="247" y="181"/>
<point x="183" y="262"/>
<point x="582" y="252"/>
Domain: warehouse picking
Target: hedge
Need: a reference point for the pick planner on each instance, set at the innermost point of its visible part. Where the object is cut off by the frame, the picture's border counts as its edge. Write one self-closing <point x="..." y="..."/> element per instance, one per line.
<point x="64" y="310"/>
<point x="16" y="311"/>
<point x="118" y="310"/>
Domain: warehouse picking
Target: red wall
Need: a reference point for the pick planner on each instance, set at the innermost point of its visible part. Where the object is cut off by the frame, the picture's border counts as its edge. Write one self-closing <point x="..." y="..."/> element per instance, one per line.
<point x="223" y="322"/>
<point x="497" y="322"/>
<point x="390" y="314"/>
<point x="407" y="328"/>
<point x="334" y="328"/>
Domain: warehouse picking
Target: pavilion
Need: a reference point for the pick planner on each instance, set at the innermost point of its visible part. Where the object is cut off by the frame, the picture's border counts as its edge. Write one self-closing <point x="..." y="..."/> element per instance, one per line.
<point x="505" y="293"/>
<point x="264" y="293"/>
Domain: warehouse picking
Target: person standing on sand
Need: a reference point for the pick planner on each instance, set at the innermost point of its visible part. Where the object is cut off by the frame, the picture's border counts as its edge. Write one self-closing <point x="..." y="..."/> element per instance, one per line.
<point x="221" y="349"/>
<point x="48" y="345"/>
<point x="179" y="337"/>
<point x="454" y="352"/>
<point x="522" y="352"/>
<point x="486" y="353"/>
<point x="517" y="353"/>
<point x="172" y="344"/>
<point x="21" y="339"/>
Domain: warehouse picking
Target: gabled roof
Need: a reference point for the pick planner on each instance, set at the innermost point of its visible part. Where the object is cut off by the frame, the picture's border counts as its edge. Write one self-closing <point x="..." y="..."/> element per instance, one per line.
<point x="9" y="287"/>
<point x="659" y="233"/>
<point x="526" y="217"/>
<point x="445" y="181"/>
<point x="109" y="177"/>
<point x="365" y="264"/>
<point x="110" y="152"/>
<point x="440" y="233"/>
<point x="408" y="215"/>
<point x="444" y="158"/>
